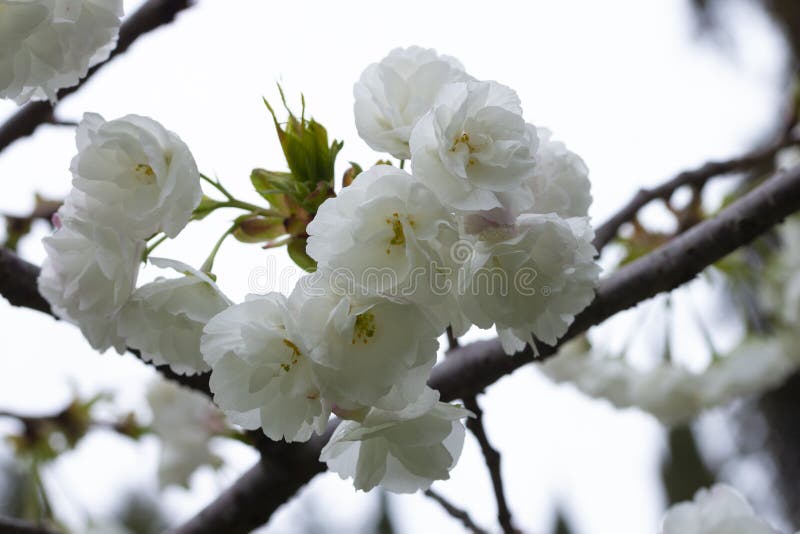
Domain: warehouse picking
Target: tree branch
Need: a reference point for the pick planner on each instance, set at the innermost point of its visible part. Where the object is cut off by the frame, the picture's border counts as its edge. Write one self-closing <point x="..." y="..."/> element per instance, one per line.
<point x="492" y="457"/>
<point x="18" y="282"/>
<point x="151" y="15"/>
<point x="455" y="512"/>
<point x="471" y="368"/>
<point x="11" y="525"/>
<point x="695" y="178"/>
<point x="18" y="286"/>
<point x="283" y="469"/>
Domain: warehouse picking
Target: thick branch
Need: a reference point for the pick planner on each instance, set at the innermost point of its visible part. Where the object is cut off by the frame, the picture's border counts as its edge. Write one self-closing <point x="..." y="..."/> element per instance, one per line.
<point x="150" y="16"/>
<point x="10" y="525"/>
<point x="473" y="367"/>
<point x="470" y="368"/>
<point x="18" y="282"/>
<point x="695" y="178"/>
<point x="18" y="286"/>
<point x="283" y="469"/>
<point x="455" y="512"/>
<point x="492" y="457"/>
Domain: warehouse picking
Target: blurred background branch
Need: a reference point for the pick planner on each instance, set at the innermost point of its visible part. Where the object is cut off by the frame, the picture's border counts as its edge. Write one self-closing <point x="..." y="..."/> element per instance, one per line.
<point x="457" y="513"/>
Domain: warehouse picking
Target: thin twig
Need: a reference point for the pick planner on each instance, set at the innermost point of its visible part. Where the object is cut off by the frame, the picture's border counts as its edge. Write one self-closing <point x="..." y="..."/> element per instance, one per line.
<point x="452" y="340"/>
<point x="455" y="512"/>
<point x="695" y="178"/>
<point x="149" y="16"/>
<point x="492" y="457"/>
<point x="60" y="122"/>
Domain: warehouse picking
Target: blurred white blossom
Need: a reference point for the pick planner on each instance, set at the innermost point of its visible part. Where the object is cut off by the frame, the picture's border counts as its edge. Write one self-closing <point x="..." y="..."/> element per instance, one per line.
<point x="47" y="45"/>
<point x="671" y="393"/>
<point x="185" y="421"/>
<point x="718" y="510"/>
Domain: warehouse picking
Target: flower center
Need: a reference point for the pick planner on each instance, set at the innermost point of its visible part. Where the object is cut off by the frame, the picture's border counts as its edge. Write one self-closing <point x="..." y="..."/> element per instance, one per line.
<point x="294" y="358"/>
<point x="398" y="235"/>
<point x="145" y="174"/>
<point x="364" y="328"/>
<point x="463" y="139"/>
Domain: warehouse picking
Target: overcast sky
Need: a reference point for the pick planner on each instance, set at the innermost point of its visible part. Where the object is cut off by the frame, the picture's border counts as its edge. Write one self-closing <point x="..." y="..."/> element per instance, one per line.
<point x="623" y="82"/>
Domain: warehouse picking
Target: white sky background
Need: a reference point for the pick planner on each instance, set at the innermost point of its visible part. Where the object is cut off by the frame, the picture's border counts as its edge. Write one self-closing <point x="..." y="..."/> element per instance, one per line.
<point x="622" y="82"/>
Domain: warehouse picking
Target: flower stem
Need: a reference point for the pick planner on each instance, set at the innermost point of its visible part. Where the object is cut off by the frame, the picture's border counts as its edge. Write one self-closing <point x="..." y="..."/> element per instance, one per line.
<point x="219" y="187"/>
<point x="209" y="263"/>
<point x="402" y="163"/>
<point x="233" y="203"/>
<point x="152" y="247"/>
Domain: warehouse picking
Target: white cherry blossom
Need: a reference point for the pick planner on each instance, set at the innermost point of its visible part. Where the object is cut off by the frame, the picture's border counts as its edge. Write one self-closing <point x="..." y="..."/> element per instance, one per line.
<point x="402" y="451"/>
<point x="530" y="279"/>
<point x="142" y="177"/>
<point x="559" y="183"/>
<point x="368" y="351"/>
<point x="261" y="373"/>
<point x="392" y="95"/>
<point x="385" y="234"/>
<point x="165" y="318"/>
<point x="89" y="274"/>
<point x="473" y="145"/>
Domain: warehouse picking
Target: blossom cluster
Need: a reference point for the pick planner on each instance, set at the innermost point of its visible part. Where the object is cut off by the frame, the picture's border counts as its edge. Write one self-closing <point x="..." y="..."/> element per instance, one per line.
<point x="675" y="394"/>
<point x="132" y="178"/>
<point x="490" y="229"/>
<point x="185" y="421"/>
<point x="46" y="45"/>
<point x="717" y="510"/>
<point x="669" y="392"/>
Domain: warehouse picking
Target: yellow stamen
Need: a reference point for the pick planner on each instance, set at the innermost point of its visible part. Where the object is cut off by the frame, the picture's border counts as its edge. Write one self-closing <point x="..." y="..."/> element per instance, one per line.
<point x="364" y="329"/>
<point x="294" y="358"/>
<point x="145" y="174"/>
<point x="399" y="237"/>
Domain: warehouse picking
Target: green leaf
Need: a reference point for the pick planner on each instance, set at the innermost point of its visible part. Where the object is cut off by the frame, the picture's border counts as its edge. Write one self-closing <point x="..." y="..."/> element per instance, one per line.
<point x="309" y="156"/>
<point x="273" y="187"/>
